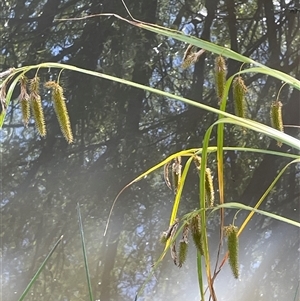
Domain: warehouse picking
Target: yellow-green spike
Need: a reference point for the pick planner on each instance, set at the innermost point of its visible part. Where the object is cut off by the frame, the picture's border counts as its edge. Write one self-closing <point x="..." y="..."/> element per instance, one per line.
<point x="195" y="227"/>
<point x="276" y="117"/>
<point x="220" y="76"/>
<point x="239" y="90"/>
<point x="233" y="249"/>
<point x="38" y="114"/>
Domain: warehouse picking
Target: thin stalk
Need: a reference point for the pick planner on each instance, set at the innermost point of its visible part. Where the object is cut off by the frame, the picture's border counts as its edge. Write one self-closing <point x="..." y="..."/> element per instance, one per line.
<point x="203" y="213"/>
<point x="39" y="270"/>
<point x="220" y="166"/>
<point x="200" y="278"/>
<point x="88" y="277"/>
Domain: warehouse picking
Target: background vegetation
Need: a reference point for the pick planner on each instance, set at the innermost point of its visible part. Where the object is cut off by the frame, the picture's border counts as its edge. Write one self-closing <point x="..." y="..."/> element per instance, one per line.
<point x="120" y="131"/>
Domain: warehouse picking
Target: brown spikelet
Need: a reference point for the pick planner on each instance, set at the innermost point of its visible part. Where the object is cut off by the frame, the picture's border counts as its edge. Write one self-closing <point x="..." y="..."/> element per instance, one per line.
<point x="188" y="51"/>
<point x="239" y="90"/>
<point x="186" y="60"/>
<point x="38" y="114"/>
<point x="198" y="54"/>
<point x="195" y="227"/>
<point x="7" y="72"/>
<point x="167" y="234"/>
<point x="185" y="233"/>
<point x="176" y="173"/>
<point x="3" y="97"/>
<point x="197" y="161"/>
<point x="50" y="84"/>
<point x="190" y="57"/>
<point x="233" y="249"/>
<point x="166" y="175"/>
<point x="24" y="101"/>
<point x="173" y="244"/>
<point x="276" y="117"/>
<point x="209" y="187"/>
<point x="61" y="110"/>
<point x="183" y="246"/>
<point x="34" y="86"/>
<point x="174" y="252"/>
<point x="220" y="75"/>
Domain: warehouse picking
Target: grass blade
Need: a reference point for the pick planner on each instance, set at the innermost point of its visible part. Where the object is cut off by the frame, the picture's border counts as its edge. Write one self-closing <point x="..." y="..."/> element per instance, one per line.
<point x="84" y="254"/>
<point x="239" y="206"/>
<point x="39" y="270"/>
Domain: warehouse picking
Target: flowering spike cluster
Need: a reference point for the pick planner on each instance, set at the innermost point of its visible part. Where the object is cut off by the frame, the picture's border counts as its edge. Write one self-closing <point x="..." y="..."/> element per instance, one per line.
<point x="195" y="227"/>
<point x="61" y="110"/>
<point x="192" y="225"/>
<point x="209" y="187"/>
<point x="183" y="246"/>
<point x="239" y="90"/>
<point x="220" y="75"/>
<point x="233" y="249"/>
<point x="36" y="106"/>
<point x="276" y="117"/>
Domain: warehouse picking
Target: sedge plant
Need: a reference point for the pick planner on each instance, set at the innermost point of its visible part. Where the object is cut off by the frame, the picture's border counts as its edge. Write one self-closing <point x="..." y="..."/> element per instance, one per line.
<point x="193" y="224"/>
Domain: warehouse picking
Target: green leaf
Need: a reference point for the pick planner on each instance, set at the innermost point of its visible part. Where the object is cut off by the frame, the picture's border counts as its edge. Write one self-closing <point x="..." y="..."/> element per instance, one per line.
<point x="240" y="206"/>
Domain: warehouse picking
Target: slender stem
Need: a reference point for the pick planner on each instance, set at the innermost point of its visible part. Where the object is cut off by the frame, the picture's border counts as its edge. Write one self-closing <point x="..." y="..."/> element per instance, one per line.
<point x="84" y="254"/>
<point x="200" y="278"/>
<point x="39" y="270"/>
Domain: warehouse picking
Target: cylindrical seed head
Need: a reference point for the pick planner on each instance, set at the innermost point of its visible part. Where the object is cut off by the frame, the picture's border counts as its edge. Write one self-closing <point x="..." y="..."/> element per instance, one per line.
<point x="38" y="114"/>
<point x="25" y="109"/>
<point x="220" y="76"/>
<point x="60" y="109"/>
<point x="276" y="117"/>
<point x="209" y="188"/>
<point x="195" y="227"/>
<point x="239" y="90"/>
<point x="34" y="86"/>
<point x="233" y="249"/>
<point x="183" y="248"/>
